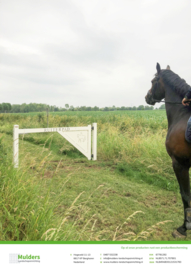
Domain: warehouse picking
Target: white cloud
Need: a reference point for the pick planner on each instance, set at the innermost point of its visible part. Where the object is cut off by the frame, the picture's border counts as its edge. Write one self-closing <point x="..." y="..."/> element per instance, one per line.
<point x="85" y="52"/>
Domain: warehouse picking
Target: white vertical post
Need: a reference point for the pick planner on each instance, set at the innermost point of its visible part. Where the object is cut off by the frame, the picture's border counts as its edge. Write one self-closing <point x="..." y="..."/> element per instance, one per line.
<point x="94" y="141"/>
<point x="89" y="142"/>
<point x="16" y="146"/>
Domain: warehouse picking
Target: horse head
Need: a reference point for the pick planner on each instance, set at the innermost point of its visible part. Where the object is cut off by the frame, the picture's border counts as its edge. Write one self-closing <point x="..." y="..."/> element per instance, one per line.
<point x="157" y="91"/>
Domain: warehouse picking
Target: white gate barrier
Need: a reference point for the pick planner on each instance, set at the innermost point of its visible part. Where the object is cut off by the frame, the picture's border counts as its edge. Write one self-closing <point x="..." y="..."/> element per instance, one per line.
<point x="80" y="137"/>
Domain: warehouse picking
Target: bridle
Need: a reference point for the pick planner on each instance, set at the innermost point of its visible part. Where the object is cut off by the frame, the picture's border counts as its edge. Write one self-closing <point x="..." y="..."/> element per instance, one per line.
<point x="169" y="102"/>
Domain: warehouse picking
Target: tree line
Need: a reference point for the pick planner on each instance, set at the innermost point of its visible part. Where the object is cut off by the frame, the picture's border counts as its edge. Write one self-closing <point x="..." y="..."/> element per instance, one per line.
<point x="39" y="107"/>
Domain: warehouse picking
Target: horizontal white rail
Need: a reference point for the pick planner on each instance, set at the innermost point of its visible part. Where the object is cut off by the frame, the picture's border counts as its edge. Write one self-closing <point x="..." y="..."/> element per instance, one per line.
<point x="56" y="129"/>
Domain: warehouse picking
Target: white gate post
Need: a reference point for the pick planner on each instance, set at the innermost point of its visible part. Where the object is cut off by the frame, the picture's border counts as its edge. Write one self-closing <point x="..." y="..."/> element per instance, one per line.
<point x="89" y="142"/>
<point x="94" y="141"/>
<point x="16" y="146"/>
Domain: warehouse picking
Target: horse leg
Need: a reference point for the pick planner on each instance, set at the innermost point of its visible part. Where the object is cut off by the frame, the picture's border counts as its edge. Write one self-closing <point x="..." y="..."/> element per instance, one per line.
<point x="182" y="175"/>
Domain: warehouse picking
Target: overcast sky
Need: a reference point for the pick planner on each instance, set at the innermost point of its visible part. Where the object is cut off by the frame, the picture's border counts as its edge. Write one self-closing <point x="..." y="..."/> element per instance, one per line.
<point x="90" y="52"/>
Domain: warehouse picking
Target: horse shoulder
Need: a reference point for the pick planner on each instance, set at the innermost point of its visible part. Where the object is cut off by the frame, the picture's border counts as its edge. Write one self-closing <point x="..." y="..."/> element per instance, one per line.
<point x="176" y="144"/>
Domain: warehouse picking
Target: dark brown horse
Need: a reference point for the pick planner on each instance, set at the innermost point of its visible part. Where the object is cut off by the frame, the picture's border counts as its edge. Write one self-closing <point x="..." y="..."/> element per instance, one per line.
<point x="166" y="84"/>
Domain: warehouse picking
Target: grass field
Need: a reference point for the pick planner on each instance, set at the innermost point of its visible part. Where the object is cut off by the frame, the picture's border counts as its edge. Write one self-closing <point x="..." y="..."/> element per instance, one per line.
<point x="129" y="193"/>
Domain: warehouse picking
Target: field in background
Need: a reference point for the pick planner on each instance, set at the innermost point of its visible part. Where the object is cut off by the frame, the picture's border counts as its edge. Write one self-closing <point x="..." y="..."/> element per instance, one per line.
<point x="141" y="113"/>
<point x="58" y="195"/>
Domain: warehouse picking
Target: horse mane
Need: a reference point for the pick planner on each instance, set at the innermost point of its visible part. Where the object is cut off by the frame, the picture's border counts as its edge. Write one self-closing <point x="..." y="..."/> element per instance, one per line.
<point x="174" y="81"/>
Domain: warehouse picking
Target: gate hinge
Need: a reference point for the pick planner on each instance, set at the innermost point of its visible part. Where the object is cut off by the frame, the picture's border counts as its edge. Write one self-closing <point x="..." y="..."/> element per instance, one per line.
<point x="92" y="128"/>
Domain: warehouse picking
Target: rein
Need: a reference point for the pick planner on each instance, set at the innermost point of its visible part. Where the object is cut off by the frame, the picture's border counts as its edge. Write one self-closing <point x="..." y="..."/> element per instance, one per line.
<point x="169" y="101"/>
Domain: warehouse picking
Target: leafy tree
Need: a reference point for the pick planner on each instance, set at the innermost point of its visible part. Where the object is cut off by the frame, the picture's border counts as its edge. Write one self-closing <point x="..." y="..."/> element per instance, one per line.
<point x="9" y="107"/>
<point x="83" y="108"/>
<point x="15" y="108"/>
<point x="141" y="107"/>
<point x="24" y="108"/>
<point x="148" y="107"/>
<point x="6" y="107"/>
<point x="106" y="109"/>
<point x="162" y="107"/>
<point x="95" y="108"/>
<point x="67" y="106"/>
<point x="31" y="107"/>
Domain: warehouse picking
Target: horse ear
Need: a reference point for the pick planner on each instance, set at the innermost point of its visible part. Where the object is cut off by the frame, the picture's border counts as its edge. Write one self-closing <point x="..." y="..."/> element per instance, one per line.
<point x="168" y="67"/>
<point x="158" y="68"/>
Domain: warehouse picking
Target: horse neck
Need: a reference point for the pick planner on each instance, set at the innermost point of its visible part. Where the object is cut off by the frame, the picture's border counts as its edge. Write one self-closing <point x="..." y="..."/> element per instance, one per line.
<point x="175" y="112"/>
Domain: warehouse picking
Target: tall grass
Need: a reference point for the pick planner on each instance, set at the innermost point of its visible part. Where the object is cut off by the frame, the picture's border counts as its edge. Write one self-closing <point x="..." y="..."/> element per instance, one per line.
<point x="27" y="212"/>
<point x="30" y="210"/>
<point x="60" y="207"/>
<point x="130" y="140"/>
<point x="24" y="213"/>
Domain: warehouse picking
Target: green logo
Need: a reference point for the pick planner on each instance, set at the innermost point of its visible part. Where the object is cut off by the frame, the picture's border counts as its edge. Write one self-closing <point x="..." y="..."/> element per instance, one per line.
<point x="28" y="257"/>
